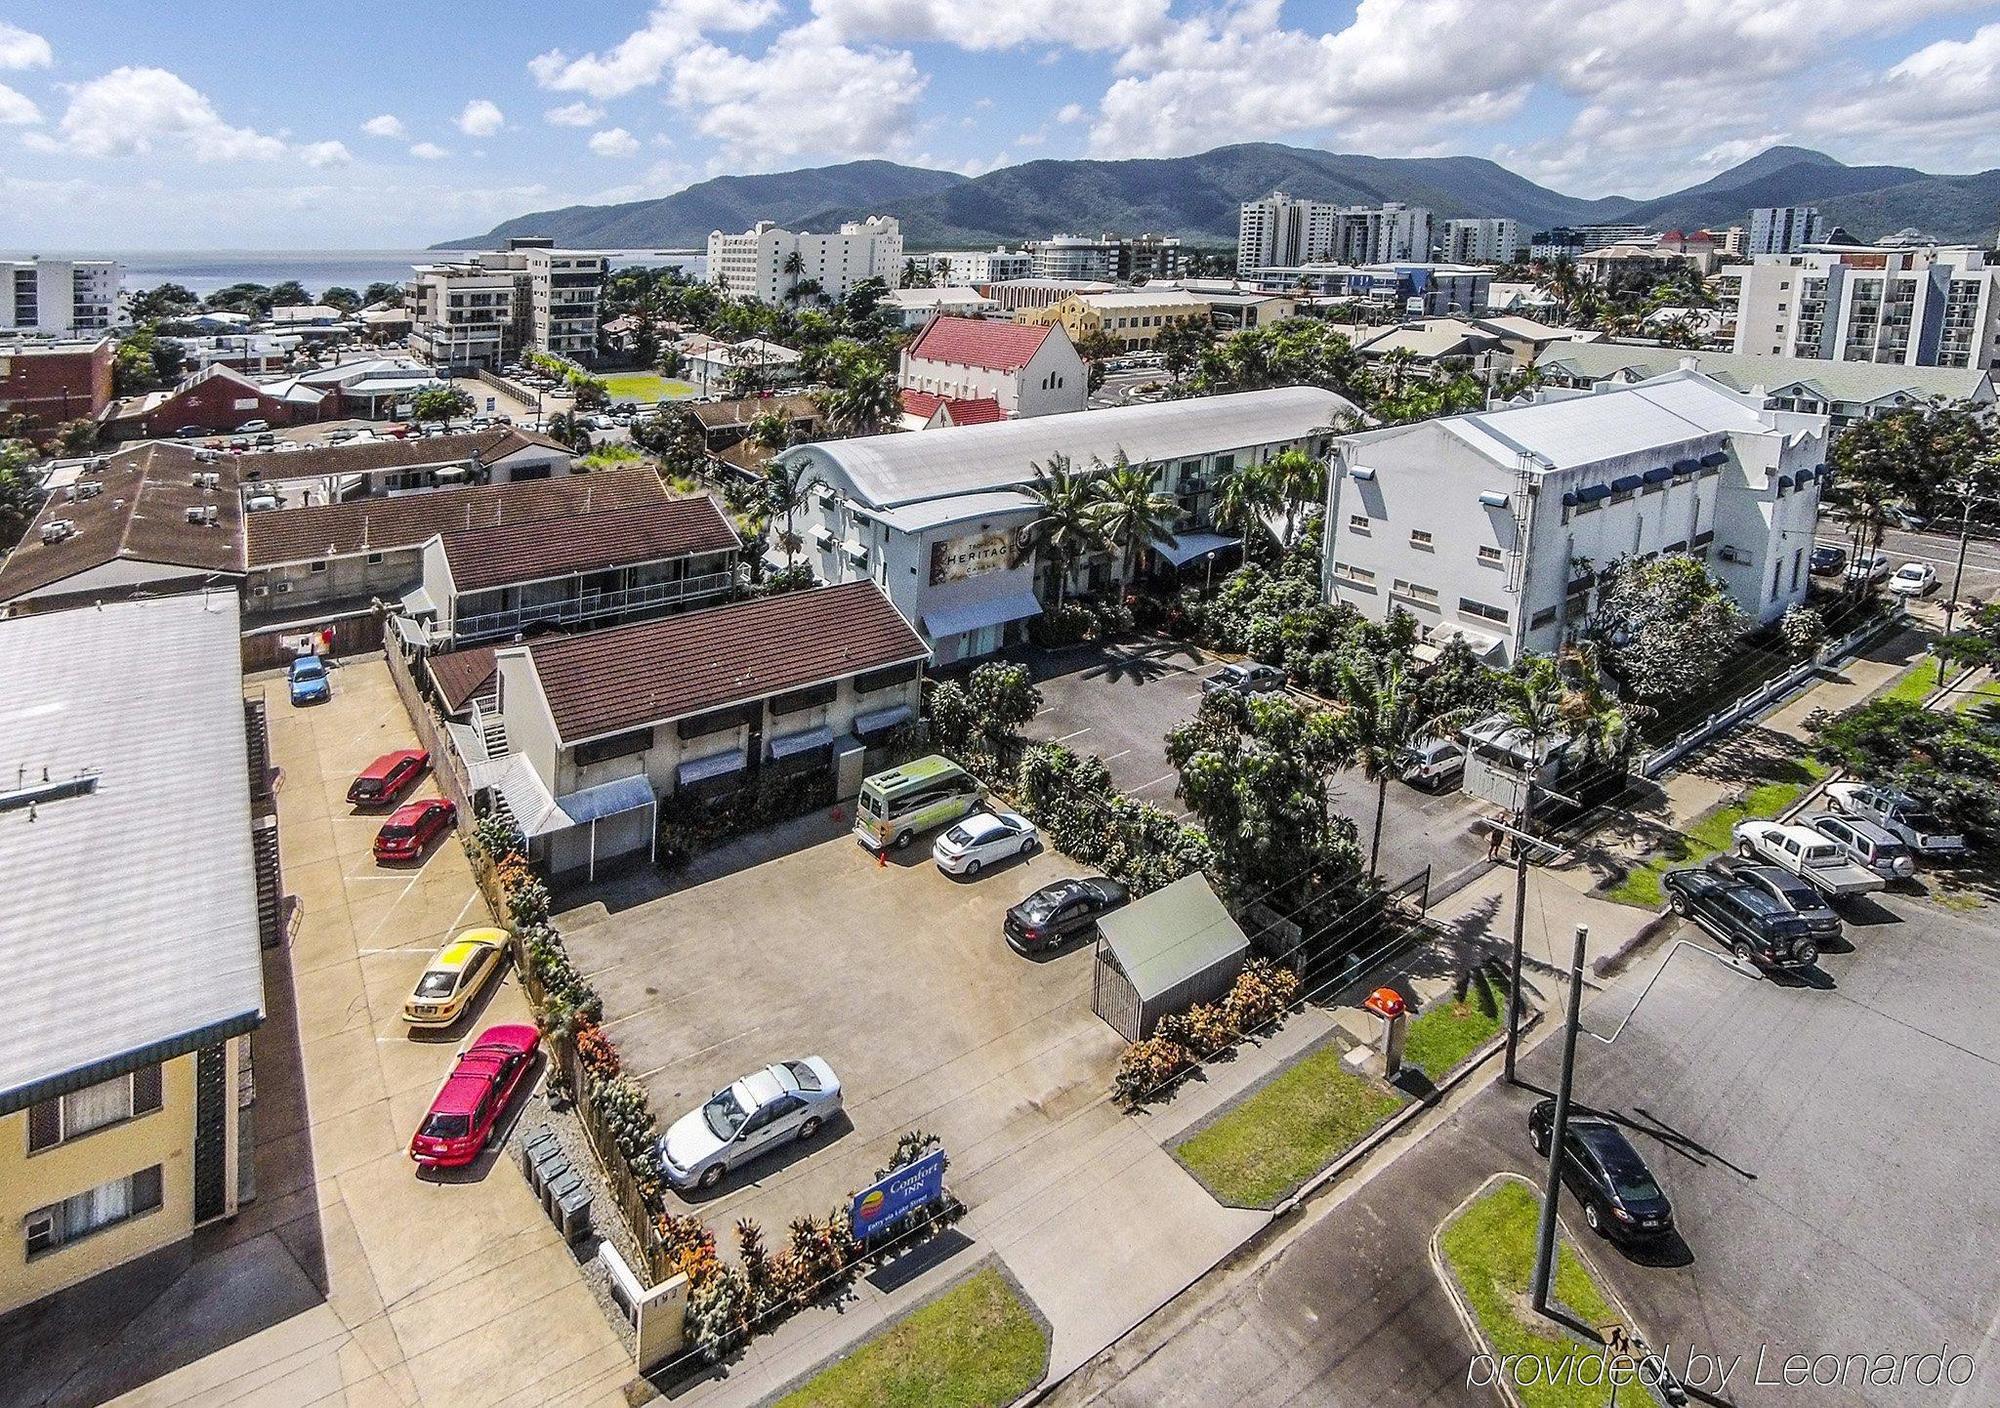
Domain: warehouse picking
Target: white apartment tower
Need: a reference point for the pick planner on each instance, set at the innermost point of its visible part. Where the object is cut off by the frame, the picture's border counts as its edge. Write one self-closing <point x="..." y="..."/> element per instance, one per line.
<point x="487" y="310"/>
<point x="1783" y="229"/>
<point x="753" y="264"/>
<point x="1927" y="307"/>
<point x="1486" y="241"/>
<point x="1278" y="230"/>
<point x="1389" y="233"/>
<point x="59" y="297"/>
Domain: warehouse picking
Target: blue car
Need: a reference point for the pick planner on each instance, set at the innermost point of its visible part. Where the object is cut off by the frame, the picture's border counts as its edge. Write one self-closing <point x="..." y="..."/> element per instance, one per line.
<point x="310" y="681"/>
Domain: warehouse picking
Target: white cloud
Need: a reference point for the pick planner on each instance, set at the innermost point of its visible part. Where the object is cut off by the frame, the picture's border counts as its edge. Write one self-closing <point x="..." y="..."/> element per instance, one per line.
<point x="983" y="24"/>
<point x="429" y="151"/>
<point x="323" y="153"/>
<point x="387" y="125"/>
<point x="21" y="49"/>
<point x="17" y="109"/>
<point x="140" y="111"/>
<point x="674" y="28"/>
<point x="1946" y="91"/>
<point x="1071" y="112"/>
<point x="574" y="115"/>
<point x="481" y="118"/>
<point x="613" y="141"/>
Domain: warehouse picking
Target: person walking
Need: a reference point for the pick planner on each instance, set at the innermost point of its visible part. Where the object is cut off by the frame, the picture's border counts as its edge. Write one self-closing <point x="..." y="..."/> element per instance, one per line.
<point x="1495" y="835"/>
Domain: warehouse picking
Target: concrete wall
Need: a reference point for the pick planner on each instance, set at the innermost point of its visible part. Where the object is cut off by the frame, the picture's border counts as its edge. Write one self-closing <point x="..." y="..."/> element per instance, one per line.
<point x="351" y="577"/>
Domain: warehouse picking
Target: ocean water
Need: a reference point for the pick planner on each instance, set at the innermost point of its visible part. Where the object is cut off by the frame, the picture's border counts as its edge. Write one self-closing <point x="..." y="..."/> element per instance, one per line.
<point x="206" y="270"/>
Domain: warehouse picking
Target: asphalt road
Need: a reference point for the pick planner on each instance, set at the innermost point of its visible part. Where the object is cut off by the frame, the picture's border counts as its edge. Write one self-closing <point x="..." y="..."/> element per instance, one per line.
<point x="1827" y="1145"/>
<point x="1940" y="550"/>
<point x="1119" y="702"/>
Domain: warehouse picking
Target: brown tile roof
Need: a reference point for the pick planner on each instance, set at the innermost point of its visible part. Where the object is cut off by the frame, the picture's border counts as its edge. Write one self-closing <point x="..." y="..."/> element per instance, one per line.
<point x="528" y="550"/>
<point x="331" y="530"/>
<point x="727" y="415"/>
<point x="139" y="514"/>
<point x="630" y="676"/>
<point x="462" y="674"/>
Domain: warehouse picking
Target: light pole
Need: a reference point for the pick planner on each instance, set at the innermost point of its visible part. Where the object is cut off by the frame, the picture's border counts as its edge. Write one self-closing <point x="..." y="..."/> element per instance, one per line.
<point x="1967" y="498"/>
<point x="1545" y="1240"/>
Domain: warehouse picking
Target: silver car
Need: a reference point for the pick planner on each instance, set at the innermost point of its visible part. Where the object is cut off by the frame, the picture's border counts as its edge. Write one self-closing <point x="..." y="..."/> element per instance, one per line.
<point x="1866" y="844"/>
<point x="1247" y="678"/>
<point x="1896" y="812"/>
<point x="791" y="1100"/>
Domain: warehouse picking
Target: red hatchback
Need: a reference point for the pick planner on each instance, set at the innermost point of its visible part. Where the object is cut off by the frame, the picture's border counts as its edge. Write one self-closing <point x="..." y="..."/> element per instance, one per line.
<point x="473" y="1097"/>
<point x="412" y="827"/>
<point x="388" y="777"/>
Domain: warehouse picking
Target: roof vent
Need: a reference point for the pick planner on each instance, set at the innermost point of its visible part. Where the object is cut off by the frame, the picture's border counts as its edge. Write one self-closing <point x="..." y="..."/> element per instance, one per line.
<point x="29" y="794"/>
<point x="88" y="491"/>
<point x="57" y="529"/>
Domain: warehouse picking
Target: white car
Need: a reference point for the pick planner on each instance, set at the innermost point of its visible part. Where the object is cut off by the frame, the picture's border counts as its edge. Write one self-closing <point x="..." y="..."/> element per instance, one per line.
<point x="1896" y="812"/>
<point x="1913" y="579"/>
<point x="791" y="1100"/>
<point x="1869" y="567"/>
<point x="981" y="839"/>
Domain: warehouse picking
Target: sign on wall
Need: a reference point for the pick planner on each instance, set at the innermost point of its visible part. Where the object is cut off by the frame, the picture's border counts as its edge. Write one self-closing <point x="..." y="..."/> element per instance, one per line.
<point x="955" y="559"/>
<point x="883" y="1205"/>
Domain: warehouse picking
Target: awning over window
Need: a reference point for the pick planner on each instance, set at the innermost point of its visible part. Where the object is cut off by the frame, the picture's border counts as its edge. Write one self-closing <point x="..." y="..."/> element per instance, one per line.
<point x="1626" y="483"/>
<point x="957" y="620"/>
<point x="1493" y="498"/>
<point x="1687" y="466"/>
<point x="626" y="794"/>
<point x="1591" y="493"/>
<point x="1784" y="482"/>
<point x="883" y="718"/>
<point x="1189" y="547"/>
<point x="419" y="603"/>
<point x="1484" y="643"/>
<point x="792" y="744"/>
<point x="535" y="811"/>
<point x="1658" y="476"/>
<point x="714" y="765"/>
<point x="1714" y="458"/>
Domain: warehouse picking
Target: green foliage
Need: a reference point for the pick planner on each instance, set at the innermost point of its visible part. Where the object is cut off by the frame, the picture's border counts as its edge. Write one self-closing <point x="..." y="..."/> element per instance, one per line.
<point x="1977" y="640"/>
<point x="691" y="824"/>
<point x="145" y="361"/>
<point x="1803" y="629"/>
<point x="718" y="1313"/>
<point x="1911" y="455"/>
<point x="20" y="488"/>
<point x="1945" y="758"/>
<point x="1294" y="352"/>
<point x="980" y="720"/>
<point x="1071" y="798"/>
<point x="440" y="403"/>
<point x="1666" y="625"/>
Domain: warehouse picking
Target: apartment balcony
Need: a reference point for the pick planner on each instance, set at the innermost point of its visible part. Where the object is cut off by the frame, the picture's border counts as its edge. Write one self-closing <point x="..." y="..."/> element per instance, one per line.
<point x="585" y="607"/>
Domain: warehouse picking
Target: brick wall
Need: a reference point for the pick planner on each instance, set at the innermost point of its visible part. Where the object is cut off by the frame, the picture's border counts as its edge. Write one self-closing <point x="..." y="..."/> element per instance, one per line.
<point x="51" y="387"/>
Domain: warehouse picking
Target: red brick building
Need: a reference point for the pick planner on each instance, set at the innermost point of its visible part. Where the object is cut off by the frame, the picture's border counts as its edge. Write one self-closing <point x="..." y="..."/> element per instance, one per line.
<point x="218" y="399"/>
<point x="53" y="382"/>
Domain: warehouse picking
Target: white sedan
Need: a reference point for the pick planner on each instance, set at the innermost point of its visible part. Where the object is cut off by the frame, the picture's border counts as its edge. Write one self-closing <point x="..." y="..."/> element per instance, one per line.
<point x="791" y="1100"/>
<point x="981" y="839"/>
<point x="1913" y="579"/>
<point x="1869" y="567"/>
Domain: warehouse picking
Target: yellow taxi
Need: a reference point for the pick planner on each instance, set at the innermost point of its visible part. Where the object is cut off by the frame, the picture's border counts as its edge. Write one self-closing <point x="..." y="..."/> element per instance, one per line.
<point x="454" y="977"/>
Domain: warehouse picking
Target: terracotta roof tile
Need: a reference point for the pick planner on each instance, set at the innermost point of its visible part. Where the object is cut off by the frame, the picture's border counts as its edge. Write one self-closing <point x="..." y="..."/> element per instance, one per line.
<point x="528" y="550"/>
<point x="979" y="342"/>
<point x="461" y="674"/>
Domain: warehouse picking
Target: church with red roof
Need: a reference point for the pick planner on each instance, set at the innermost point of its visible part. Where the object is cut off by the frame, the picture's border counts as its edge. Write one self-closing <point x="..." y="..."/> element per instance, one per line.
<point x="971" y="370"/>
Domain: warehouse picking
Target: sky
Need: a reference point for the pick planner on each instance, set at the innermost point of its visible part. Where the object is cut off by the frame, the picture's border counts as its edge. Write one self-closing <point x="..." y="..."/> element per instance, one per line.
<point x="135" y="125"/>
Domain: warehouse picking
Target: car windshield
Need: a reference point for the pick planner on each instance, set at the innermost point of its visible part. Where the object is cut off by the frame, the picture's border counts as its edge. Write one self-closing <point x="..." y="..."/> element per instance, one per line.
<point x="724" y="1114"/>
<point x="437" y="983"/>
<point x="446" y="1126"/>
<point x="307" y="669"/>
<point x="397" y="832"/>
<point x="1043" y="903"/>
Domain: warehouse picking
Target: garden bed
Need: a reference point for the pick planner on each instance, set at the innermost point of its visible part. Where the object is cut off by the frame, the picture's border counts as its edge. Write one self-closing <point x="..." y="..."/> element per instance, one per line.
<point x="1709" y="835"/>
<point x="1447" y="1034"/>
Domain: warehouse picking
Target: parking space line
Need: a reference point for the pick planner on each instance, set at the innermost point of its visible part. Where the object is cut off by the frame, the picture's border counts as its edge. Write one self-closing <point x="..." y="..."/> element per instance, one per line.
<point x="1114" y="757"/>
<point x="1068" y="736"/>
<point x="1163" y="777"/>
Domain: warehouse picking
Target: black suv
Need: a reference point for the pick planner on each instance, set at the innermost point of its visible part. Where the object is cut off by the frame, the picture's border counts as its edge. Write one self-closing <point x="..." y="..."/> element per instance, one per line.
<point x="1801" y="897"/>
<point x="1059" y="911"/>
<point x="1756" y="926"/>
<point x="1620" y="1197"/>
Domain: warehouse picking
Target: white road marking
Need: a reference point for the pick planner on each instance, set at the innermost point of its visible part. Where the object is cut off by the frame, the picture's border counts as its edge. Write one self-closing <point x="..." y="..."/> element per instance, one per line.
<point x="1078" y="734"/>
<point x="1116" y="756"/>
<point x="1163" y="777"/>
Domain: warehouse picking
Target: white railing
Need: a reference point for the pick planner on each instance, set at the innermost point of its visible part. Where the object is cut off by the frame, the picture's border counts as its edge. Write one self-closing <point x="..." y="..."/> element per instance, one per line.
<point x="591" y="606"/>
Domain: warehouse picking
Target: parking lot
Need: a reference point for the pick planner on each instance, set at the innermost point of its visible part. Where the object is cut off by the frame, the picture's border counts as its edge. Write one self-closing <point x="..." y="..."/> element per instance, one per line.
<point x="798" y="942"/>
<point x="1119" y="701"/>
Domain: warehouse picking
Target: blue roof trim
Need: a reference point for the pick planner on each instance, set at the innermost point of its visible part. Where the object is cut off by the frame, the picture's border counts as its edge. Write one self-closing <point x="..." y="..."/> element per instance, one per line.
<point x="1784" y="482"/>
<point x="1713" y="458"/>
<point x="1591" y="493"/>
<point x="1626" y="483"/>
<point x="1687" y="466"/>
<point x="1569" y="498"/>
<point x="1658" y="476"/>
<point x="77" y="1078"/>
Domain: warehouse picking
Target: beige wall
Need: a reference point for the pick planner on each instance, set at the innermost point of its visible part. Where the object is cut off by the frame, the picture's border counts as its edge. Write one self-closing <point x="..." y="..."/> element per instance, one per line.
<point x="29" y="1182"/>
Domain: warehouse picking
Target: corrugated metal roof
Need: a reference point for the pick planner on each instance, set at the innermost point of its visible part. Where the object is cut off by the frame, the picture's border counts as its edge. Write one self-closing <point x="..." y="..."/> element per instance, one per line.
<point x="1584" y="430"/>
<point x="1842" y="381"/>
<point x="130" y="910"/>
<point x="884" y="471"/>
<point x="1163" y="939"/>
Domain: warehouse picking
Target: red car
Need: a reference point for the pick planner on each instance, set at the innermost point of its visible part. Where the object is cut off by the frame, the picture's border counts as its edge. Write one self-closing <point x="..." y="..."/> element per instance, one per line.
<point x="473" y="1097"/>
<point x="412" y="827"/>
<point x="388" y="777"/>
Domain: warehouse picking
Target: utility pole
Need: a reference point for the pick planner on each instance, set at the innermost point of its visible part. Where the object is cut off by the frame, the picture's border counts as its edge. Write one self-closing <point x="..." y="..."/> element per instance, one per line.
<point x="1967" y="499"/>
<point x="1545" y="1242"/>
<point x="1526" y="820"/>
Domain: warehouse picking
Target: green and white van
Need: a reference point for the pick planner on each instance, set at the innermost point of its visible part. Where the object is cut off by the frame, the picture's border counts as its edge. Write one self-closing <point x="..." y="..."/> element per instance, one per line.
<point x="897" y="804"/>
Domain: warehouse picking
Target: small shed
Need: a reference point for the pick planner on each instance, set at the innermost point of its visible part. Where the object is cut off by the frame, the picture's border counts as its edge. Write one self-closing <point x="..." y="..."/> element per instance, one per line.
<point x="1164" y="953"/>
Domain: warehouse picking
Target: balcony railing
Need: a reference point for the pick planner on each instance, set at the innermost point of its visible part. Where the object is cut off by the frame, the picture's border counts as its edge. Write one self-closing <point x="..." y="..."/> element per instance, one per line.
<point x="591" y="606"/>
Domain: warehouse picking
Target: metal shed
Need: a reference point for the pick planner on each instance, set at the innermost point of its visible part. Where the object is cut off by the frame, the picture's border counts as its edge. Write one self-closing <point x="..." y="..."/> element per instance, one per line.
<point x="1164" y="953"/>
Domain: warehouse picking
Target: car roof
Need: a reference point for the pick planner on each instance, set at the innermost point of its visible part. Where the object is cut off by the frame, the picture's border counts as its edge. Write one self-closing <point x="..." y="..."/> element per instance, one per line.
<point x="984" y="823"/>
<point x="410" y="811"/>
<point x="762" y="1087"/>
<point x="1866" y="830"/>
<point x="462" y="950"/>
<point x="380" y="768"/>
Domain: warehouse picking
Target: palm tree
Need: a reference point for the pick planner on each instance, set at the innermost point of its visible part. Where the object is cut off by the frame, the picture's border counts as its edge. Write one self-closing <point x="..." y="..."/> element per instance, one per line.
<point x="1065" y="526"/>
<point x="794" y="266"/>
<point x="1298" y="479"/>
<point x="1130" y="514"/>
<point x="785" y="490"/>
<point x="1380" y="718"/>
<point x="1246" y="498"/>
<point x="771" y="431"/>
<point x="865" y="399"/>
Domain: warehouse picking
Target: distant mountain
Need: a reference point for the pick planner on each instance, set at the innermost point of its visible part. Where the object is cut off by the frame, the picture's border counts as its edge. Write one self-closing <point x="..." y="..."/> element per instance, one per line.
<point x="1197" y="198"/>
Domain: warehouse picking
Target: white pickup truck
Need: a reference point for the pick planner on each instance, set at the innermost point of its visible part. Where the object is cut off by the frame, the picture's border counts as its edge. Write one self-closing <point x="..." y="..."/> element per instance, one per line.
<point x="1807" y="854"/>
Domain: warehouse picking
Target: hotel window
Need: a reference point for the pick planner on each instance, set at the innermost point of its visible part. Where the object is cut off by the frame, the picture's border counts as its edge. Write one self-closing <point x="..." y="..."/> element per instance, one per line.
<point x="1544" y="617"/>
<point x="1468" y="607"/>
<point x="1357" y="523"/>
<point x="1416" y="592"/>
<point x="109" y="1102"/>
<point x="1359" y="576"/>
<point x="1489" y="555"/>
<point x="106" y="1205"/>
<point x="1419" y="538"/>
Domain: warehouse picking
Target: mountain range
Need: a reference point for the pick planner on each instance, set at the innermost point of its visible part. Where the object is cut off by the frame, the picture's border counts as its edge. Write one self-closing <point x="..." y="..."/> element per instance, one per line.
<point x="1197" y="198"/>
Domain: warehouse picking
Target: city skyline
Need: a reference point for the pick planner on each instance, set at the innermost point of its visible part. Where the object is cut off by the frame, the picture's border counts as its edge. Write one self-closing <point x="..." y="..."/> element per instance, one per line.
<point x="146" y="132"/>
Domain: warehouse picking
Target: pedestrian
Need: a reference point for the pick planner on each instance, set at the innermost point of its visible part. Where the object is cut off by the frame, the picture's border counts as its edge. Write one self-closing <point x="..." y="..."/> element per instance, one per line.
<point x="1495" y="835"/>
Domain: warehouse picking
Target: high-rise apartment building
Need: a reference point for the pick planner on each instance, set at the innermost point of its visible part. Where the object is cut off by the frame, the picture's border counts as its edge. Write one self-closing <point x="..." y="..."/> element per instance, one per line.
<point x="968" y="268"/>
<point x="1495" y="240"/>
<point x="59" y="297"/>
<point x="1389" y="233"/>
<point x="758" y="263"/>
<point x="487" y="310"/>
<point x="1783" y="229"/>
<point x="1108" y="257"/>
<point x="1278" y="231"/>
<point x="1928" y="307"/>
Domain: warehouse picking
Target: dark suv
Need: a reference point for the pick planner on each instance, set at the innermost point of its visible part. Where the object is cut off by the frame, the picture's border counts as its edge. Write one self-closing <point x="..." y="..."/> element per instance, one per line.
<point x="1620" y="1197"/>
<point x="1800" y="896"/>
<point x="1755" y="925"/>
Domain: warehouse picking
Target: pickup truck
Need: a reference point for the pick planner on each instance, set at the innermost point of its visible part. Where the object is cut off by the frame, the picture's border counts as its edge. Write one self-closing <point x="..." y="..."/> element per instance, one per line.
<point x="1807" y="854"/>
<point x="1896" y="812"/>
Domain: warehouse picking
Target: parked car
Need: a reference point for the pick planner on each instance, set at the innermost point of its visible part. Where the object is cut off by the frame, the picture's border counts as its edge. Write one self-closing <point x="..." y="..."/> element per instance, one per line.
<point x="1752" y="924"/>
<point x="1897" y="813"/>
<point x="252" y="427"/>
<point x="1867" y="845"/>
<point x="190" y="432"/>
<point x="411" y="828"/>
<point x="469" y="1104"/>
<point x="1433" y="763"/>
<point x="339" y="437"/>
<point x="1807" y="854"/>
<point x="1060" y="911"/>
<point x="1913" y="579"/>
<point x="981" y="839"/>
<point x="265" y="440"/>
<point x="791" y="1100"/>
<point x="1869" y="567"/>
<point x="309" y="681"/>
<point x="454" y="976"/>
<point x="1788" y="889"/>
<point x="1247" y="678"/>
<point x="1827" y="560"/>
<point x="388" y="777"/>
<point x="1905" y="517"/>
<point x="1621" y="1198"/>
